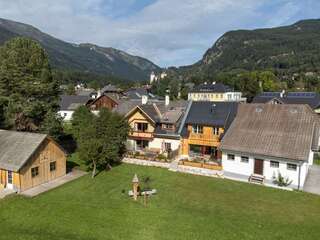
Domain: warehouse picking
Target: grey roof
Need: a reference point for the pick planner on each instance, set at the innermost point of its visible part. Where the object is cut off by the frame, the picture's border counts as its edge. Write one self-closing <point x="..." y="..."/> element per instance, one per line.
<point x="137" y="93"/>
<point x="212" y="88"/>
<point x="211" y="113"/>
<point x="152" y="111"/>
<point x="86" y="92"/>
<point x="310" y="98"/>
<point x="72" y="102"/>
<point x="109" y="88"/>
<point x="273" y="130"/>
<point x="16" y="148"/>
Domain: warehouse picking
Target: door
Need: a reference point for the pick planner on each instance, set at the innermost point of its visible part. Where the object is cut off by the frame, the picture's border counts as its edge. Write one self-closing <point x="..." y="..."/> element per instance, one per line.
<point x="258" y="166"/>
<point x="10" y="180"/>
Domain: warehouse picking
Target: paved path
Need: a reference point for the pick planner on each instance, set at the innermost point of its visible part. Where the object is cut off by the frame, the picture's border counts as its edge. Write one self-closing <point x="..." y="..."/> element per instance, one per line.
<point x="53" y="184"/>
<point x="312" y="183"/>
<point x="6" y="192"/>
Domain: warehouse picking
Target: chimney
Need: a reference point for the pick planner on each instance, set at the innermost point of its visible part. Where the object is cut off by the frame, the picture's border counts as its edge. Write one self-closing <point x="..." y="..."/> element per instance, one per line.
<point x="167" y="100"/>
<point x="99" y="93"/>
<point x="144" y="99"/>
<point x="282" y="93"/>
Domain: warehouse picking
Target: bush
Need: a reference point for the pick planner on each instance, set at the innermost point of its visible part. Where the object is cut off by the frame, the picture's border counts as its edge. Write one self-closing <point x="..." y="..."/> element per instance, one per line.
<point x="282" y="181"/>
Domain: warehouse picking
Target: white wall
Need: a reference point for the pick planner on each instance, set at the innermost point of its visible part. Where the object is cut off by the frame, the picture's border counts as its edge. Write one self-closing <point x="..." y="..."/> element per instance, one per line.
<point x="158" y="143"/>
<point x="269" y="172"/>
<point x="66" y="115"/>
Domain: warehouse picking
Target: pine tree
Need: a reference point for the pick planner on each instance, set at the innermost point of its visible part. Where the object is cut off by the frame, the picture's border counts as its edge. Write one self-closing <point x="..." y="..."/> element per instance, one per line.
<point x="26" y="83"/>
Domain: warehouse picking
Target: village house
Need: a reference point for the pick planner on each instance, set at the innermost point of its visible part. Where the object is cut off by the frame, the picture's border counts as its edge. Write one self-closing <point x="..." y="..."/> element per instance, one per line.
<point x="69" y="103"/>
<point x="310" y="98"/>
<point x="266" y="140"/>
<point x="204" y="126"/>
<point x="215" y="92"/>
<point x="28" y="160"/>
<point x="155" y="126"/>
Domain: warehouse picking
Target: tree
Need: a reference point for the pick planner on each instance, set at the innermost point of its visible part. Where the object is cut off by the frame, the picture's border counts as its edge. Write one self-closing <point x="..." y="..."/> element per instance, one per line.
<point x="26" y="83"/>
<point x="101" y="139"/>
<point x="52" y="125"/>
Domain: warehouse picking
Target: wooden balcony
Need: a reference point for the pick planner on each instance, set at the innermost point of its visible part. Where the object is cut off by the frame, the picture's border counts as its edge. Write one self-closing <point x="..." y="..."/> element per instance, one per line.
<point x="141" y="135"/>
<point x="202" y="136"/>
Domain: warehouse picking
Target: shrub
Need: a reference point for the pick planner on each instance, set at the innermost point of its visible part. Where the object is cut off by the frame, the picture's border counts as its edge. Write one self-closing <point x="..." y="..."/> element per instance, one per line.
<point x="282" y="181"/>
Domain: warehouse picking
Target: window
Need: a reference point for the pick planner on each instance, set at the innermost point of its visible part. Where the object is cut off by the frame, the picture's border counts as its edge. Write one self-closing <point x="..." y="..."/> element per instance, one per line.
<point x="141" y="127"/>
<point x="52" y="166"/>
<point x="10" y="179"/>
<point x="142" y="144"/>
<point x="244" y="159"/>
<point x="197" y="129"/>
<point x="167" y="126"/>
<point x="291" y="166"/>
<point x="216" y="131"/>
<point x="231" y="157"/>
<point x="167" y="147"/>
<point x="274" y="164"/>
<point x="34" y="171"/>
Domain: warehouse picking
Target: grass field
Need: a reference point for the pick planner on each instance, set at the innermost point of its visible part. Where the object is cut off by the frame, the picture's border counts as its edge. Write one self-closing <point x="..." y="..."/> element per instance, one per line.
<point x="186" y="207"/>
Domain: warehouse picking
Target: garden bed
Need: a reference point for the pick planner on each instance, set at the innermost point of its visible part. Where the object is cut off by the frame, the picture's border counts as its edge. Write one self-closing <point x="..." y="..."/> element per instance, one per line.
<point x="210" y="166"/>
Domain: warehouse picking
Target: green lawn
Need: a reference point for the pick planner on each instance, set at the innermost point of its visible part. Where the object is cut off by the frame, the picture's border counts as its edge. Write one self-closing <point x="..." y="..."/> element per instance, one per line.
<point x="186" y="207"/>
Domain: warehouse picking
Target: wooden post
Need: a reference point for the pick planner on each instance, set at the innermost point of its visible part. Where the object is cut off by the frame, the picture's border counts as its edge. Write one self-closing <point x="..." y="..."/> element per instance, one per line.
<point x="135" y="187"/>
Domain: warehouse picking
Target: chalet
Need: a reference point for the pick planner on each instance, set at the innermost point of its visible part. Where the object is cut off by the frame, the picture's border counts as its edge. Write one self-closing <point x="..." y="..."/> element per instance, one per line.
<point x="310" y="98"/>
<point x="215" y="92"/>
<point x="204" y="126"/>
<point x="155" y="126"/>
<point x="69" y="103"/>
<point x="103" y="101"/>
<point x="266" y="140"/>
<point x="28" y="160"/>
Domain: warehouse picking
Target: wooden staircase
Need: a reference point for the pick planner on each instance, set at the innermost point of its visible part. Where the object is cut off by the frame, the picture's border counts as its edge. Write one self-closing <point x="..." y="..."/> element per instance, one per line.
<point x="255" y="178"/>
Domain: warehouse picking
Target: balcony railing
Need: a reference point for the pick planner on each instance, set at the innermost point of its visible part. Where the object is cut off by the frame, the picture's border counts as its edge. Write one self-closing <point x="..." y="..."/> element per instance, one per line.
<point x="141" y="134"/>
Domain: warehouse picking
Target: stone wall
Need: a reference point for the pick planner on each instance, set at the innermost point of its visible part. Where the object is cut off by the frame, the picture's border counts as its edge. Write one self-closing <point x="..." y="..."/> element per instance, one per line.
<point x="146" y="162"/>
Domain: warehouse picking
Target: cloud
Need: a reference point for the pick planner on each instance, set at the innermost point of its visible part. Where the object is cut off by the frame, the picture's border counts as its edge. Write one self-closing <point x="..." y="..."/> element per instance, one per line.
<point x="168" y="32"/>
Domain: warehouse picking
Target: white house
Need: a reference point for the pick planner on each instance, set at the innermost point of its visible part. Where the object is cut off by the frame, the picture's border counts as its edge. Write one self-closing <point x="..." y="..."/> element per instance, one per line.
<point x="215" y="92"/>
<point x="266" y="140"/>
<point x="69" y="103"/>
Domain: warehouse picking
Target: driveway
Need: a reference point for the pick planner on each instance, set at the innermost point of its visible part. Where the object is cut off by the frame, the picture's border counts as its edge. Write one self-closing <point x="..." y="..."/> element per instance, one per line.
<point x="312" y="184"/>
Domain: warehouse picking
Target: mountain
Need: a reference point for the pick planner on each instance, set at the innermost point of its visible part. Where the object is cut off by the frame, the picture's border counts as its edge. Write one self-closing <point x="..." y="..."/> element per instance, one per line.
<point x="285" y="50"/>
<point x="81" y="57"/>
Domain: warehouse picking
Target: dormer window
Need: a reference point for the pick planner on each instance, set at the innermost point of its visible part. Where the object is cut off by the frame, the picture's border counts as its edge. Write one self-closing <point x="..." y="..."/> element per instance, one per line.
<point x="197" y="129"/>
<point x="167" y="126"/>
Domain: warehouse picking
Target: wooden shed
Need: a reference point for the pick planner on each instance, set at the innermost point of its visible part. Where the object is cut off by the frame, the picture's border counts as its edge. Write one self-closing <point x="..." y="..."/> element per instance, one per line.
<point x="29" y="159"/>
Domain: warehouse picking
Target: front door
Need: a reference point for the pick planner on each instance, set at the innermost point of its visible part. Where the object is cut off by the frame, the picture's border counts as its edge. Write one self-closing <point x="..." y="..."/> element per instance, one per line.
<point x="258" y="166"/>
<point x="10" y="180"/>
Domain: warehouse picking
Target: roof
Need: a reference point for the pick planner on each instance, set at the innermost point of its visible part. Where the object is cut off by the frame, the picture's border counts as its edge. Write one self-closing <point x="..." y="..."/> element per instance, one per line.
<point x="72" y="102"/>
<point x="212" y="88"/>
<point x="109" y="88"/>
<point x="273" y="130"/>
<point x="310" y="98"/>
<point x="211" y="113"/>
<point x="17" y="147"/>
<point x="137" y="93"/>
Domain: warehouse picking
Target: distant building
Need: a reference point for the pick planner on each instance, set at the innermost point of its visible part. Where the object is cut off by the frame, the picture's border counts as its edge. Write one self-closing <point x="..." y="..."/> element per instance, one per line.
<point x="215" y="92"/>
<point x="156" y="77"/>
<point x="69" y="103"/>
<point x="310" y="98"/>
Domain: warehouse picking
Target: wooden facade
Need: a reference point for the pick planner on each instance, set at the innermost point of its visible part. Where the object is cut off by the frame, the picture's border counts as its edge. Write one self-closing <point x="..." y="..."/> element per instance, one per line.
<point x="48" y="161"/>
<point x="205" y="139"/>
<point x="102" y="102"/>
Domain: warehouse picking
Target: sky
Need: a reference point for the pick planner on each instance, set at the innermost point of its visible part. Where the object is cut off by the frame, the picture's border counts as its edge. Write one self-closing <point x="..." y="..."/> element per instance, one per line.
<point x="167" y="32"/>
